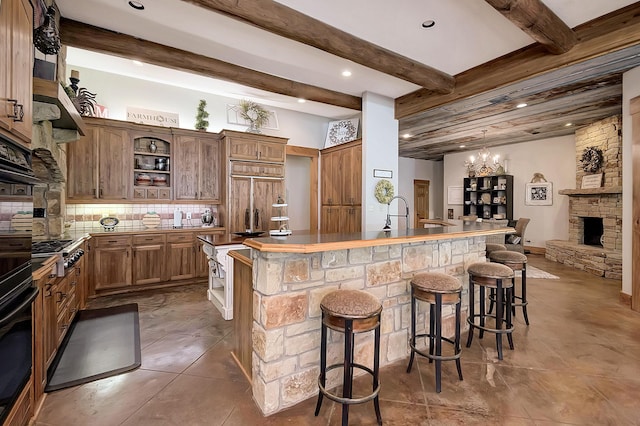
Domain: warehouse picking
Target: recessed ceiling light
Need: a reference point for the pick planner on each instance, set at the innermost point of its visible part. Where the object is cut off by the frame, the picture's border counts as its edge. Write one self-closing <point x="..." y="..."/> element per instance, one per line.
<point x="522" y="105"/>
<point x="568" y="125"/>
<point x="301" y="101"/>
<point x="406" y="135"/>
<point x="136" y="4"/>
<point x="136" y="62"/>
<point x="462" y="146"/>
<point x="428" y="23"/>
<point x="346" y="73"/>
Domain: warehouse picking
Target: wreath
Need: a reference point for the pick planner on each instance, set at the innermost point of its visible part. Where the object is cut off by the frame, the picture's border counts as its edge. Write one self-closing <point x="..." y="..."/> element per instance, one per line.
<point x="384" y="191"/>
<point x="591" y="159"/>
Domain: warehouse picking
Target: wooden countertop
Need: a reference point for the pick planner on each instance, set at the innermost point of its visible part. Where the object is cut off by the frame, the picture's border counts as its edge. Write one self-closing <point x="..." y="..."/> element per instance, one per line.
<point x="225" y="239"/>
<point x="243" y="256"/>
<point x="300" y="242"/>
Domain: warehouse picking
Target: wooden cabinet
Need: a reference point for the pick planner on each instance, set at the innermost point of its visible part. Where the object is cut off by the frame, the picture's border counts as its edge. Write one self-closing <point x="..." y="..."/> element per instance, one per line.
<point x="244" y="146"/>
<point x="250" y="200"/>
<point x="180" y="260"/>
<point x="489" y="196"/>
<point x="148" y="259"/>
<point x="197" y="163"/>
<point x="242" y="310"/>
<point x="341" y="188"/>
<point x="151" y="162"/>
<point x="23" y="408"/>
<point x="16" y="68"/>
<point x="82" y="165"/>
<point x="111" y="262"/>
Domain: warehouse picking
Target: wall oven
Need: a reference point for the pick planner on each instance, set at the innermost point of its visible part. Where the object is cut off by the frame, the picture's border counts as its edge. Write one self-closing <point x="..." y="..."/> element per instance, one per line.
<point x="16" y="286"/>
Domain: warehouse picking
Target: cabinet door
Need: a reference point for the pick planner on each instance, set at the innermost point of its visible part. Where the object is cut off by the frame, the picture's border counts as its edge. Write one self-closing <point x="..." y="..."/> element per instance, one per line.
<point x="331" y="178"/>
<point x="271" y="152"/>
<point x="186" y="170"/>
<point x="115" y="164"/>
<point x="210" y="170"/>
<point x="330" y="220"/>
<point x="351" y="170"/>
<point x="350" y="219"/>
<point x="180" y="260"/>
<point x="148" y="261"/>
<point x="112" y="267"/>
<point x="5" y="68"/>
<point x="265" y="193"/>
<point x="239" y="198"/>
<point x="50" y="322"/>
<point x="82" y="166"/>
<point x="22" y="65"/>
<point x="243" y="149"/>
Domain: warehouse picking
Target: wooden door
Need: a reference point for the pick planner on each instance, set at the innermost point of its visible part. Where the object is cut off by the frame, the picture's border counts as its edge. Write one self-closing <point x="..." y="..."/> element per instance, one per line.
<point x="331" y="178"/>
<point x="243" y="149"/>
<point x="420" y="201"/>
<point x="210" y="173"/>
<point x="181" y="260"/>
<point x="239" y="204"/>
<point x="82" y="166"/>
<point x="350" y="219"/>
<point x="148" y="262"/>
<point x="329" y="219"/>
<point x="112" y="267"/>
<point x="5" y="67"/>
<point x="22" y="65"/>
<point x="265" y="193"/>
<point x="271" y="152"/>
<point x="351" y="172"/>
<point x="635" y="247"/>
<point x="186" y="168"/>
<point x="50" y="321"/>
<point x="115" y="159"/>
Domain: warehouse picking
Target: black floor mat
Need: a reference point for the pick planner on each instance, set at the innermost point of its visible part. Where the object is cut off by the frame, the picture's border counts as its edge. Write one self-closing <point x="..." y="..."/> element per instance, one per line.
<point x="100" y="343"/>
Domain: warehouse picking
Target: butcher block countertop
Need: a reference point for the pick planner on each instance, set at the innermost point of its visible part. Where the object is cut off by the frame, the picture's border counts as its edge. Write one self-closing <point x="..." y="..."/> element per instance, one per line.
<point x="300" y="242"/>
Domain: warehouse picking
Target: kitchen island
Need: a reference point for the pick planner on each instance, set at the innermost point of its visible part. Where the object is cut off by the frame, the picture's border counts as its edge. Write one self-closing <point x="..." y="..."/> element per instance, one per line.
<point x="291" y="276"/>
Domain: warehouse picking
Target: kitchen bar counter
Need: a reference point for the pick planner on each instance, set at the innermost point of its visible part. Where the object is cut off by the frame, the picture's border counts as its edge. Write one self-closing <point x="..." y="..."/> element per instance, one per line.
<point x="290" y="276"/>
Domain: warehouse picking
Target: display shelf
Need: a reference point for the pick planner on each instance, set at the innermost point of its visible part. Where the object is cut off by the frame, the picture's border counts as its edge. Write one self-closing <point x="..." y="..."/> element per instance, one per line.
<point x="489" y="197"/>
<point x="281" y="220"/>
<point x="152" y="157"/>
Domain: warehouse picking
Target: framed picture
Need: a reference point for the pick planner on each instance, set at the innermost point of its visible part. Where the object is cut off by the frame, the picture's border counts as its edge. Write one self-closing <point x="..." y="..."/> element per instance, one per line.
<point x="539" y="194"/>
<point x="342" y="131"/>
<point x="454" y="195"/>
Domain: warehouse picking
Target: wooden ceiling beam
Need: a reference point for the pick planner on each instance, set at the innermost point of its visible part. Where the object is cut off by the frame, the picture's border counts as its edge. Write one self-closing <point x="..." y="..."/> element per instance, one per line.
<point x="539" y="22"/>
<point x="609" y="33"/>
<point x="286" y="22"/>
<point x="88" y="37"/>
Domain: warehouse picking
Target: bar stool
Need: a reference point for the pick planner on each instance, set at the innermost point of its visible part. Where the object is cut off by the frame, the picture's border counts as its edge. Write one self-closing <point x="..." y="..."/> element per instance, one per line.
<point x="349" y="312"/>
<point x="491" y="247"/>
<point x="493" y="276"/>
<point x="437" y="289"/>
<point x="517" y="262"/>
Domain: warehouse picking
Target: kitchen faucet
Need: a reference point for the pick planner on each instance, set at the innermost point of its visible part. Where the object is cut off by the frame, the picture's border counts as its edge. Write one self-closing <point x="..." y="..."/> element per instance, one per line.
<point x="387" y="223"/>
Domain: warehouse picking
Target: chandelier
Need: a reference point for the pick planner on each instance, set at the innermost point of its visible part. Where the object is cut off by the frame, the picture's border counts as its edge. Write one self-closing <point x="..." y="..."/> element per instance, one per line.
<point x="486" y="165"/>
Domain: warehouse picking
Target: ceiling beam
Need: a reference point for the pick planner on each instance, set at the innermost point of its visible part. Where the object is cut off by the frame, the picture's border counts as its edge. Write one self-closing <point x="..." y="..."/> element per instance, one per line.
<point x="539" y="22"/>
<point x="88" y="37"/>
<point x="609" y="33"/>
<point x="286" y="22"/>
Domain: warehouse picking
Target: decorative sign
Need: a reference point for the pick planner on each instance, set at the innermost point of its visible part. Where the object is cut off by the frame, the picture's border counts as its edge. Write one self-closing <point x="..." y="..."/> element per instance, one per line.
<point x="233" y="117"/>
<point x="454" y="195"/>
<point x="342" y="131"/>
<point x="380" y="173"/>
<point x="592" y="181"/>
<point x="155" y="118"/>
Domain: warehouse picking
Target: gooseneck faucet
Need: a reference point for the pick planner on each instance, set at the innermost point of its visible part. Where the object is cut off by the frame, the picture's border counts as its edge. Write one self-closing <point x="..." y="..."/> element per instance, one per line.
<point x="387" y="223"/>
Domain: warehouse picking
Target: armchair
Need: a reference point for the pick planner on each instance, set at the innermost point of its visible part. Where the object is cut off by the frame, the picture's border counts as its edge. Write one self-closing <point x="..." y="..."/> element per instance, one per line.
<point x="515" y="242"/>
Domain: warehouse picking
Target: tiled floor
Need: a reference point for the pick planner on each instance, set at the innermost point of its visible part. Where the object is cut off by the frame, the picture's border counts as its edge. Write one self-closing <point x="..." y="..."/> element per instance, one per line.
<point x="577" y="363"/>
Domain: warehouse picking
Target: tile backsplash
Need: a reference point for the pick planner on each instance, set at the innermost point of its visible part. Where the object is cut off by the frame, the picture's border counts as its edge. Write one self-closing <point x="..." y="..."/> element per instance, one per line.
<point x="86" y="216"/>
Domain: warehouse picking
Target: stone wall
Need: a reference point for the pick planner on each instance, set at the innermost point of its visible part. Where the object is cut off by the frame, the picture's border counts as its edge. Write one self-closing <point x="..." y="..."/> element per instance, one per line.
<point x="288" y="289"/>
<point x="605" y="135"/>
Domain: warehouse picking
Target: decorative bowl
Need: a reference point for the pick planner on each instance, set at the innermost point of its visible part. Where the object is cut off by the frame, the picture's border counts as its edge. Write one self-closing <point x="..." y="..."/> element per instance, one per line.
<point x="144" y="166"/>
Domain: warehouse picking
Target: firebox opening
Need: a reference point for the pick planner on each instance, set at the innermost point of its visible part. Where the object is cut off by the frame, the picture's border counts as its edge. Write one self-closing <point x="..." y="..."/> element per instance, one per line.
<point x="593" y="231"/>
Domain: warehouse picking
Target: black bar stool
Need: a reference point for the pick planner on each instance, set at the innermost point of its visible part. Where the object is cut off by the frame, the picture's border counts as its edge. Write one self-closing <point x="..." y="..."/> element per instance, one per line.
<point x="498" y="277"/>
<point x="517" y="262"/>
<point x="491" y="247"/>
<point x="437" y="289"/>
<point x="349" y="312"/>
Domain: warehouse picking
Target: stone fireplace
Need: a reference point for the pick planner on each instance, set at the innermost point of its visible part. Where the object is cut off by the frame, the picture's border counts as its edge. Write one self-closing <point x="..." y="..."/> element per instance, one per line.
<point x="595" y="214"/>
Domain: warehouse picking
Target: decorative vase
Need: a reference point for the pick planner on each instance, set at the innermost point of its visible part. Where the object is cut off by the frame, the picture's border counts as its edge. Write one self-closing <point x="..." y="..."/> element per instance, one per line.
<point x="253" y="128"/>
<point x="152" y="147"/>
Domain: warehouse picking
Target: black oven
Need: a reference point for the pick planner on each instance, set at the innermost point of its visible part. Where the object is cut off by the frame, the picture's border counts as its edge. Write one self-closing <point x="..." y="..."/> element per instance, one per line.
<point x="16" y="286"/>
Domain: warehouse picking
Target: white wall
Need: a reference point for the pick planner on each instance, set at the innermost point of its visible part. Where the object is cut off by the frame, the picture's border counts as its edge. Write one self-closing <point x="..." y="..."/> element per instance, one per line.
<point x="410" y="169"/>
<point x="379" y="151"/>
<point x="297" y="188"/>
<point x="554" y="158"/>
<point x="630" y="89"/>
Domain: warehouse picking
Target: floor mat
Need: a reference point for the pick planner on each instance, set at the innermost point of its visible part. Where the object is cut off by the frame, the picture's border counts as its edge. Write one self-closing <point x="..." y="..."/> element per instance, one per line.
<point x="533" y="272"/>
<point x="100" y="343"/>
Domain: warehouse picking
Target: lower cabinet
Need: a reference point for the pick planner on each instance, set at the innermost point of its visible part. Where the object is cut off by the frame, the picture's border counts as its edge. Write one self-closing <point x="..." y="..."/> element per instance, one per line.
<point x="111" y="262"/>
<point x="181" y="256"/>
<point x="148" y="259"/>
<point x="350" y="219"/>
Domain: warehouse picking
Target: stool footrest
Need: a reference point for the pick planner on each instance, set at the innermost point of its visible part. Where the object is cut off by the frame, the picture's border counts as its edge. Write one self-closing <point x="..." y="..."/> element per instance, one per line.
<point x="343" y="400"/>
<point x="412" y="345"/>
<point x="471" y="322"/>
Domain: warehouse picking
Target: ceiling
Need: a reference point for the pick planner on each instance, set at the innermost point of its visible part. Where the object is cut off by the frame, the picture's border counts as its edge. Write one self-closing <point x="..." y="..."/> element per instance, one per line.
<point x="467" y="35"/>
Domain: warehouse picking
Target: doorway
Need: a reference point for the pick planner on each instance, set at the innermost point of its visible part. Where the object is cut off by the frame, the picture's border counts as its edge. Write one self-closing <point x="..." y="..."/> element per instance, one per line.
<point x="308" y="158"/>
<point x="420" y="201"/>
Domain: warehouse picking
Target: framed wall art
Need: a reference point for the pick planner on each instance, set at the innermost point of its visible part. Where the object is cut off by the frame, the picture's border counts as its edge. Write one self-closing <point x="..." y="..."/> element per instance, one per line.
<point x="539" y="194"/>
<point x="342" y="131"/>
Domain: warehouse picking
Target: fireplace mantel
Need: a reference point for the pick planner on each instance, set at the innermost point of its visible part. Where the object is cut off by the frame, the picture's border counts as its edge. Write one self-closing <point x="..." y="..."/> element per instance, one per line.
<point x="591" y="191"/>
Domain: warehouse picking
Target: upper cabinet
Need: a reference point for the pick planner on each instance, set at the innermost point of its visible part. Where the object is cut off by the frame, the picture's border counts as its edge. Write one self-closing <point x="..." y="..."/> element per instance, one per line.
<point x="152" y="150"/>
<point x="197" y="166"/>
<point x="255" y="147"/>
<point x="16" y="47"/>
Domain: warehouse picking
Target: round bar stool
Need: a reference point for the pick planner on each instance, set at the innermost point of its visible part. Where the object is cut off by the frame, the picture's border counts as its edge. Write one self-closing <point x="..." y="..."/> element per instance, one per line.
<point x="517" y="262"/>
<point x="349" y="312"/>
<point x="437" y="289"/>
<point x="491" y="247"/>
<point x="494" y="276"/>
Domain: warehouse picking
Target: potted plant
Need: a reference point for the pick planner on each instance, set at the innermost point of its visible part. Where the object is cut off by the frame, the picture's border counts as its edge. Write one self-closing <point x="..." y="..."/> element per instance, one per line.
<point x="201" y="116"/>
<point x="255" y="114"/>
